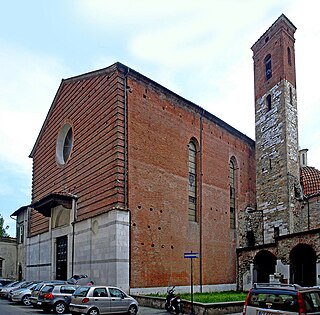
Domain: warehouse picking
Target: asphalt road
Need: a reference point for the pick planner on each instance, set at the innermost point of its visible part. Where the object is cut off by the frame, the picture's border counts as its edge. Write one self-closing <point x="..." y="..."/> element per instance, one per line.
<point x="11" y="308"/>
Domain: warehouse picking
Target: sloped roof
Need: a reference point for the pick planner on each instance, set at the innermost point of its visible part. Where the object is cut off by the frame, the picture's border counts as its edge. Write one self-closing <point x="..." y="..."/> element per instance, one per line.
<point x="310" y="180"/>
<point x="129" y="71"/>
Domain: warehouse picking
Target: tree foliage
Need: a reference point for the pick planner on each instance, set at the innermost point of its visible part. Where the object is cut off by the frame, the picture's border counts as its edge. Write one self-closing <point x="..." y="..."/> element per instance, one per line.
<point x="3" y="229"/>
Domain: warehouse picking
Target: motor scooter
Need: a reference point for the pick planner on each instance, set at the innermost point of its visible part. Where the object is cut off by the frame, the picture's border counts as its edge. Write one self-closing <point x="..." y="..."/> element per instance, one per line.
<point x="173" y="302"/>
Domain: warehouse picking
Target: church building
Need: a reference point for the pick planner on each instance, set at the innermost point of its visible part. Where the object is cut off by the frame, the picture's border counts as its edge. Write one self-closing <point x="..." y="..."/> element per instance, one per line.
<point x="129" y="176"/>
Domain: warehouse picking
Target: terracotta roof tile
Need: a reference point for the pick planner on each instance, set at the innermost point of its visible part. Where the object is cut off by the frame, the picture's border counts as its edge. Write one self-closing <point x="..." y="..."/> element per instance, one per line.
<point x="310" y="180"/>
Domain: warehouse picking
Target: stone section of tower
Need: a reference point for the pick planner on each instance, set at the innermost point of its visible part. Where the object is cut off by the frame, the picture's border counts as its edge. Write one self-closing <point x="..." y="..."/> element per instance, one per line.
<point x="277" y="165"/>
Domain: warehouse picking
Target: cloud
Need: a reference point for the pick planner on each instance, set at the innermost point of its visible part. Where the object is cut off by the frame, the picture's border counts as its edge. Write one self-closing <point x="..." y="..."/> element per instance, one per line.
<point x="5" y="189"/>
<point x="27" y="87"/>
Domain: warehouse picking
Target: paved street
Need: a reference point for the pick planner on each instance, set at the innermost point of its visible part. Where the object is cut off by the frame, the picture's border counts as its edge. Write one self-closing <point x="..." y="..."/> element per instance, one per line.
<point x="10" y="308"/>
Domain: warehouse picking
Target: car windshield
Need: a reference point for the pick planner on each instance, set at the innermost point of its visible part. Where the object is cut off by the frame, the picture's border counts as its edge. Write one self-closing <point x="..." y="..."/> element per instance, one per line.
<point x="32" y="286"/>
<point x="12" y="284"/>
<point x="38" y="287"/>
<point x="82" y="291"/>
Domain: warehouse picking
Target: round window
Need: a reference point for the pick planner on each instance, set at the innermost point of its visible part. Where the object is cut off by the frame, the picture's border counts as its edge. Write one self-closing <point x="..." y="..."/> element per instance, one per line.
<point x="64" y="144"/>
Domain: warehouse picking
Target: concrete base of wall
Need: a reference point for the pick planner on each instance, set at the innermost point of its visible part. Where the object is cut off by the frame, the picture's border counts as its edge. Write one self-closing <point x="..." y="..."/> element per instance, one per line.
<point x="183" y="289"/>
<point x="199" y="308"/>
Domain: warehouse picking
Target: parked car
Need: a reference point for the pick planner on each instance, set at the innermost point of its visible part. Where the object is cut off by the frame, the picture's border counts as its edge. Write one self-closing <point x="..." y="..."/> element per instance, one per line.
<point x="4" y="282"/>
<point x="22" y="286"/>
<point x="56" y="297"/>
<point x="22" y="295"/>
<point x="94" y="300"/>
<point x="4" y="291"/>
<point x="79" y="279"/>
<point x="269" y="299"/>
<point x="35" y="292"/>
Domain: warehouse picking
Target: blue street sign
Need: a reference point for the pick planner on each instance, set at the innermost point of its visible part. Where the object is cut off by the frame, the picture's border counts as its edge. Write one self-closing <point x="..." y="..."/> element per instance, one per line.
<point x="191" y="255"/>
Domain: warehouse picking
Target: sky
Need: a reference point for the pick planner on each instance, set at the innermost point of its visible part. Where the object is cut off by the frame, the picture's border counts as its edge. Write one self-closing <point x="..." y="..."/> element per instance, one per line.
<point x="199" y="49"/>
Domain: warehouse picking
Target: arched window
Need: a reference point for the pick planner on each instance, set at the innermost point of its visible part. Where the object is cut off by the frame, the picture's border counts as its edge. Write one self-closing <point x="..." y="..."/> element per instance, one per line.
<point x="290" y="91"/>
<point x="268" y="66"/>
<point x="289" y="56"/>
<point x="232" y="177"/>
<point x="268" y="101"/>
<point x="192" y="192"/>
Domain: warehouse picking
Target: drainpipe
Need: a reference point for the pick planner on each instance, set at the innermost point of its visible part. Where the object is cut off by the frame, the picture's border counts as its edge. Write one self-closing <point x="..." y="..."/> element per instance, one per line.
<point x="125" y="141"/>
<point x="74" y="212"/>
<point x="126" y="166"/>
<point x="200" y="196"/>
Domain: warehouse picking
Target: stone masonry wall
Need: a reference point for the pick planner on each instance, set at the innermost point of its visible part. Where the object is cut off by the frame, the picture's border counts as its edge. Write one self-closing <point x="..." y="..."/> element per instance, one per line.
<point x="277" y="159"/>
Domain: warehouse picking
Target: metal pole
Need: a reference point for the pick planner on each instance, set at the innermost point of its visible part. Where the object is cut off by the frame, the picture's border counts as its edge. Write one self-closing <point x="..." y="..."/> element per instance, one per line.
<point x="192" y="311"/>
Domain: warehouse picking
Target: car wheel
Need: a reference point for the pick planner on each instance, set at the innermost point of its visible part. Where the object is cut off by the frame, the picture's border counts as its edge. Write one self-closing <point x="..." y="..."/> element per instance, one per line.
<point x="132" y="310"/>
<point x="60" y="307"/>
<point x="26" y="300"/>
<point x="93" y="311"/>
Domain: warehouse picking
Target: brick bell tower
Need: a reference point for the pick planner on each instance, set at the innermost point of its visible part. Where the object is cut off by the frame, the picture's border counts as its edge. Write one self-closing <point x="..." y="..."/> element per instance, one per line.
<point x="277" y="167"/>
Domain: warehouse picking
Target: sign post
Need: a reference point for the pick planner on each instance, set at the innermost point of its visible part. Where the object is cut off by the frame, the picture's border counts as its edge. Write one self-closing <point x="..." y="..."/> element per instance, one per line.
<point x="191" y="256"/>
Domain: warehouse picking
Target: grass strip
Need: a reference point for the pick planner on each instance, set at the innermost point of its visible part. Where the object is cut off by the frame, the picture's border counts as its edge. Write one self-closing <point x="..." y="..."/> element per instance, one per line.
<point x="212" y="297"/>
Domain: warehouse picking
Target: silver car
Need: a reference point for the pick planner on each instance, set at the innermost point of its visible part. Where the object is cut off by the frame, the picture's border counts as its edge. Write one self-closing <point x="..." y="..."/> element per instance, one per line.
<point x="95" y="300"/>
<point x="22" y="295"/>
<point x="4" y="291"/>
<point x="56" y="297"/>
<point x="35" y="292"/>
<point x="284" y="299"/>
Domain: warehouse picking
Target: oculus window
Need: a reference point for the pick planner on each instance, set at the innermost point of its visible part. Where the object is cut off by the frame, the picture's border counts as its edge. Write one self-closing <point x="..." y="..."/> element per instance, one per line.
<point x="64" y="144"/>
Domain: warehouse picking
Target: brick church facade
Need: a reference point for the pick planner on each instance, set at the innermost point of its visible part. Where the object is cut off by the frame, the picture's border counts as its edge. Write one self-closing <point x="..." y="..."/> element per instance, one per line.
<point x="128" y="176"/>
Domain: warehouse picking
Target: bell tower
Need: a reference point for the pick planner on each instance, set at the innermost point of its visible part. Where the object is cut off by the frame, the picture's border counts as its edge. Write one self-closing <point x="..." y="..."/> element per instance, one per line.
<point x="277" y="165"/>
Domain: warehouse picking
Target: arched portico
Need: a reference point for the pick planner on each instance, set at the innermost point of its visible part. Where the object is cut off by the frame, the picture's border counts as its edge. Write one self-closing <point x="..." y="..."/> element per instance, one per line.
<point x="264" y="265"/>
<point x="303" y="265"/>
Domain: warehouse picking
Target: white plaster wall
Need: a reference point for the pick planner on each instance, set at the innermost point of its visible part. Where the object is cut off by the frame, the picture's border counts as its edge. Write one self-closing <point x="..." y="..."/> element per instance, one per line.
<point x="101" y="250"/>
<point x="8" y="255"/>
<point x="38" y="257"/>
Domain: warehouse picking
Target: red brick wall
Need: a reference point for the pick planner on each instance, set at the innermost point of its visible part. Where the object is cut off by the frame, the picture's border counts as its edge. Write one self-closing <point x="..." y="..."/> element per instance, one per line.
<point x="93" y="105"/>
<point x="274" y="42"/>
<point x="159" y="130"/>
<point x="160" y="126"/>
